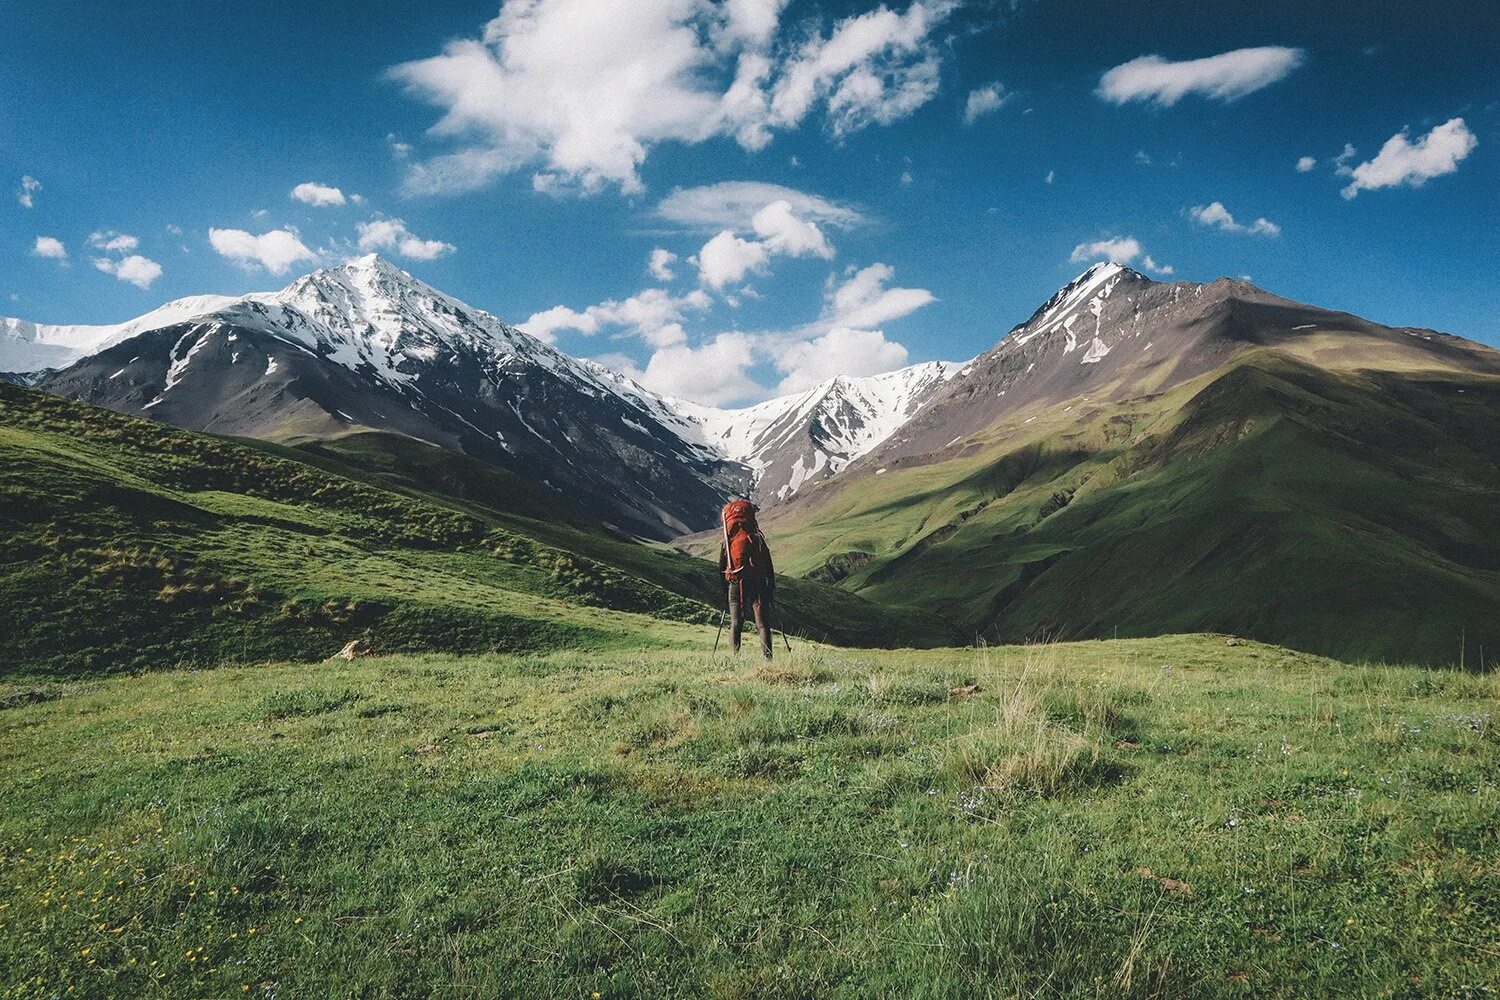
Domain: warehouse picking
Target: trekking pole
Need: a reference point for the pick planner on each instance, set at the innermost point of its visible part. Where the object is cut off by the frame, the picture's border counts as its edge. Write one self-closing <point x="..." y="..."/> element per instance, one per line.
<point x="718" y="633"/>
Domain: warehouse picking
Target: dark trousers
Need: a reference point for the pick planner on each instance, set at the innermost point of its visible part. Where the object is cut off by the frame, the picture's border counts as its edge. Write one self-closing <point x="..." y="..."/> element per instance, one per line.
<point x="760" y="605"/>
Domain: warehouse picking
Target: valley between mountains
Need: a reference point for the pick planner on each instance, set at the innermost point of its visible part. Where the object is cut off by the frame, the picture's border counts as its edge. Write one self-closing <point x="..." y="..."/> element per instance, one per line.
<point x="362" y="454"/>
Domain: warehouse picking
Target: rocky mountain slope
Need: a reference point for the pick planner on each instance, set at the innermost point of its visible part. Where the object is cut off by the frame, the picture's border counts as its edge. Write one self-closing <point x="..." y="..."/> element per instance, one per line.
<point x="366" y="345"/>
<point x="1112" y="334"/>
<point x="1145" y="457"/>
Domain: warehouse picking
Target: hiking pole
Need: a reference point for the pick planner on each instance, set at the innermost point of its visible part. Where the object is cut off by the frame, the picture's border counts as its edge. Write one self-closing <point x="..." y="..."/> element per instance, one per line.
<point x="718" y="633"/>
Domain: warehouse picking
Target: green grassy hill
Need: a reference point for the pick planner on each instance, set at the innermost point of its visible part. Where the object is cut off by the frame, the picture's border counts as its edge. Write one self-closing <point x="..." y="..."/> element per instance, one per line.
<point x="1347" y="513"/>
<point x="1154" y="818"/>
<point x="128" y="544"/>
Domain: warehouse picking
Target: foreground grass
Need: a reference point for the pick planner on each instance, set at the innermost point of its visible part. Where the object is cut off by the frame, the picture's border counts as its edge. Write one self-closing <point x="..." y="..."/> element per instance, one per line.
<point x="1172" y="817"/>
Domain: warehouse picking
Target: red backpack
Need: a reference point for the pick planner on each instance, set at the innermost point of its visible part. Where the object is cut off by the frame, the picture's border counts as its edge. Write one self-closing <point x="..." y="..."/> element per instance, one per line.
<point x="741" y="539"/>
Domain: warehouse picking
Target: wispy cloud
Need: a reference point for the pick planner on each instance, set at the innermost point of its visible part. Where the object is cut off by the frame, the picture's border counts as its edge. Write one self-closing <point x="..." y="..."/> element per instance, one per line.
<point x="113" y="242"/>
<point x="983" y="101"/>
<point x="732" y="204"/>
<point x="26" y="193"/>
<point x="1225" y="77"/>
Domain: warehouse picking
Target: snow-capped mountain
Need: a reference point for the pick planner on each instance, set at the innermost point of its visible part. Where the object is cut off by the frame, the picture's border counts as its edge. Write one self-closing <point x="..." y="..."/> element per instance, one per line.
<point x="797" y="439"/>
<point x="31" y="347"/>
<point x="367" y="346"/>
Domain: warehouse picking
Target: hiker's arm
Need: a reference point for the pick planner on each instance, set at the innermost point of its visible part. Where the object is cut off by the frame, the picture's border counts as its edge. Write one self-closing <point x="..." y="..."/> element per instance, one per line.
<point x="723" y="558"/>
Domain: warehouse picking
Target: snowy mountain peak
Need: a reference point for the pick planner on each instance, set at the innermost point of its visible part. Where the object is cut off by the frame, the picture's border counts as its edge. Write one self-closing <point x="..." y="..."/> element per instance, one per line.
<point x="791" y="440"/>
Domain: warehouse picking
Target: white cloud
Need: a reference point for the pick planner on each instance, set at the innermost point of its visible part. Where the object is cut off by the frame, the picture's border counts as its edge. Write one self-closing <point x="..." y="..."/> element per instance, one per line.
<point x="1120" y="250"/>
<point x="50" y="247"/>
<point x="907" y="179"/>
<point x="1341" y="162"/>
<point x="585" y="88"/>
<point x="392" y="234"/>
<point x="113" y="242"/>
<point x="137" y="270"/>
<point x="1226" y="77"/>
<point x="727" y="258"/>
<point x="840" y="351"/>
<point x="276" y="250"/>
<point x="862" y="301"/>
<point x="1051" y="176"/>
<point x="732" y="205"/>
<point x="26" y="193"/>
<point x="545" y="324"/>
<point x="1216" y="214"/>
<point x="1306" y="163"/>
<point x="843" y="340"/>
<point x="1403" y="162"/>
<point x="984" y="100"/>
<point x="661" y="264"/>
<point x="879" y="66"/>
<point x="785" y="233"/>
<point x="751" y="21"/>
<point x="321" y="195"/>
<point x="715" y="373"/>
<point x="652" y="314"/>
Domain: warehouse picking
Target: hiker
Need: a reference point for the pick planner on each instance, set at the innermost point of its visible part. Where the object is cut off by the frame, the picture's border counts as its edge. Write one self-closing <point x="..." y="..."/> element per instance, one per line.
<point x="745" y="561"/>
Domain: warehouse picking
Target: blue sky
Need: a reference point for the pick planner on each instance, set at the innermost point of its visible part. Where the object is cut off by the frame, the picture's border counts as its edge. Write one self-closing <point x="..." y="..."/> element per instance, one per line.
<point x="530" y="159"/>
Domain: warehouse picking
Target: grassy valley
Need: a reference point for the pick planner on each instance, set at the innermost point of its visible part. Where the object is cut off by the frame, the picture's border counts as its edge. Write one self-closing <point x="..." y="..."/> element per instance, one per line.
<point x="131" y="545"/>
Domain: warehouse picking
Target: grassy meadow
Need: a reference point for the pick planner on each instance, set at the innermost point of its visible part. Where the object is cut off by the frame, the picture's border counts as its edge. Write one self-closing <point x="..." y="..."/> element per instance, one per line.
<point x="1176" y="817"/>
<point x="129" y="545"/>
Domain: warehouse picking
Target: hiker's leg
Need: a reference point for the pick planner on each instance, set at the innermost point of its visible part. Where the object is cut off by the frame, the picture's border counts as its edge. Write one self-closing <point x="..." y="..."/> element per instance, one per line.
<point x="763" y="625"/>
<point x="736" y="617"/>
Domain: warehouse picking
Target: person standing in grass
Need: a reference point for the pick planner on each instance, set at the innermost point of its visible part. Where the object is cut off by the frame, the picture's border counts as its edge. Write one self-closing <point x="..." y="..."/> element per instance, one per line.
<point x="745" y="561"/>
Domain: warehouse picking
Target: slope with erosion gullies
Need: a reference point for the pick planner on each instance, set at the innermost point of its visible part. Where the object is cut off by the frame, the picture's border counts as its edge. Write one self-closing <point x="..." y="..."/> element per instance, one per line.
<point x="129" y="544"/>
<point x="1355" y="515"/>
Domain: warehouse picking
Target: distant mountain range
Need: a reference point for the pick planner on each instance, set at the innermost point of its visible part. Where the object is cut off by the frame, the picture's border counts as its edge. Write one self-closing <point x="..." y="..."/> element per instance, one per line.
<point x="1137" y="456"/>
<point x="366" y="345"/>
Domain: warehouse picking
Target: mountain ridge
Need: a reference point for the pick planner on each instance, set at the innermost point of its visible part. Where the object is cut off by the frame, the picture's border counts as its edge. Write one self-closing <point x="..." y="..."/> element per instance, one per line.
<point x="377" y="326"/>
